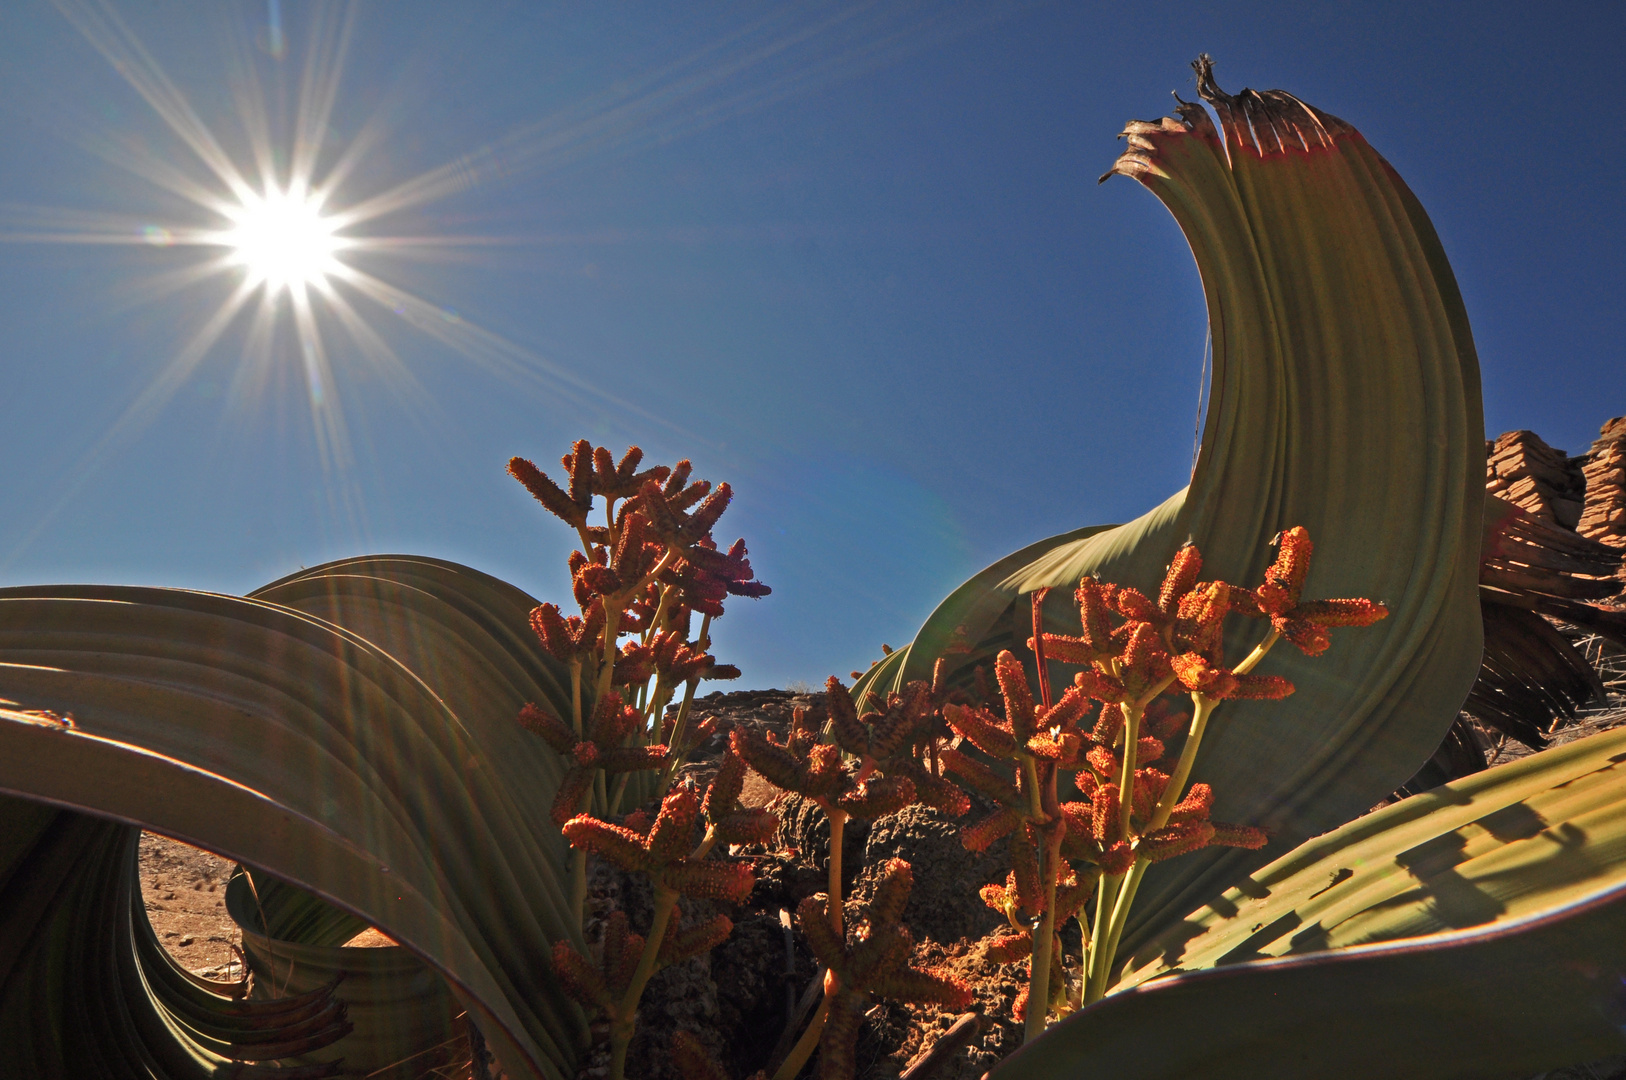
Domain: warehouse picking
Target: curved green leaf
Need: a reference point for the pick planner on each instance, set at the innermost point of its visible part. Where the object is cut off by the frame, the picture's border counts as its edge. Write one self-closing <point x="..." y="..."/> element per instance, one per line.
<point x="299" y="747"/>
<point x="1471" y="931"/>
<point x="1345" y="398"/>
<point x="87" y="991"/>
<point x="399" y="1007"/>
<point x="978" y="606"/>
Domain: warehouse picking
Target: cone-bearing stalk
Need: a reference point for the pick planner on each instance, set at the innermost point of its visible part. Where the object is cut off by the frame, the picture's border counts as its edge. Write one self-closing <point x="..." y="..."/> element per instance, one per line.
<point x="625" y="1022"/>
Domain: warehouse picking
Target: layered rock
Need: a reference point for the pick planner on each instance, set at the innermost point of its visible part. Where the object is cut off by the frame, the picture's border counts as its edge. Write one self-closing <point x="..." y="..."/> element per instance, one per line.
<point x="1603" y="517"/>
<point x="1525" y="471"/>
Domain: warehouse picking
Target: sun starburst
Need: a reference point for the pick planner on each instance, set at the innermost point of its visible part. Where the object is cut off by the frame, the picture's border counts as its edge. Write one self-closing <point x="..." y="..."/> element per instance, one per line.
<point x="292" y="229"/>
<point x="283" y="240"/>
<point x="285" y="226"/>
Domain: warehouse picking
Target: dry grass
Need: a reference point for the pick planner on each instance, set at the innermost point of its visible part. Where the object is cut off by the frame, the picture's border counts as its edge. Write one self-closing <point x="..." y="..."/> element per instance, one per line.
<point x="1609" y="660"/>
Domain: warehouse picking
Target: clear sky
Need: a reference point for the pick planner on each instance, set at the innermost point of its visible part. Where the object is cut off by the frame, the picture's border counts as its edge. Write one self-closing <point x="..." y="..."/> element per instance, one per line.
<point x="853" y="260"/>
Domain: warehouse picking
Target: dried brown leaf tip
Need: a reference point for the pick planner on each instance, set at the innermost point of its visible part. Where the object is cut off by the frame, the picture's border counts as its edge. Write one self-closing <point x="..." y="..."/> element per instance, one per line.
<point x="875" y="964"/>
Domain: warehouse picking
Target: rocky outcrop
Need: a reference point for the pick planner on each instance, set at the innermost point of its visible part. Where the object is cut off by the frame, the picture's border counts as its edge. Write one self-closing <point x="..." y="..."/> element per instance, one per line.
<point x="1603" y="517"/>
<point x="1585" y="494"/>
<point x="1528" y="473"/>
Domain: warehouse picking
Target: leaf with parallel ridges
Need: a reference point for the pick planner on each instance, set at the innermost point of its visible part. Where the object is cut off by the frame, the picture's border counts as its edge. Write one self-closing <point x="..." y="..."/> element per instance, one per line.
<point x="1471" y="931"/>
<point x="389" y="781"/>
<point x="294" y="942"/>
<point x="1345" y="398"/>
<point x="86" y="990"/>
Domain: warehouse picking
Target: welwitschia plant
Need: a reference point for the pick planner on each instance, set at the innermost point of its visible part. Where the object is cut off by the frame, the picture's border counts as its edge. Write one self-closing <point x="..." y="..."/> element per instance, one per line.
<point x="1130" y="812"/>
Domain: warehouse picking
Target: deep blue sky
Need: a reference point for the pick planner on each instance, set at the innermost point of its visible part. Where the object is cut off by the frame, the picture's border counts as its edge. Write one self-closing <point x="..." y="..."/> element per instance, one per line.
<point x="856" y="260"/>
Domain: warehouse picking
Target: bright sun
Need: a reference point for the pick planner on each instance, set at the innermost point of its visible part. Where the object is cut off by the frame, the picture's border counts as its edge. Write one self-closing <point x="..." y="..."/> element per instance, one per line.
<point x="282" y="240"/>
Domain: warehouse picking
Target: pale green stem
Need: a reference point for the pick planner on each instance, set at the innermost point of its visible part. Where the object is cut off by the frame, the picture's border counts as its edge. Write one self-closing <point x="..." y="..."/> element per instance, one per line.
<point x="1030" y="780"/>
<point x="1075" y="993"/>
<point x="626" y="1018"/>
<point x="578" y="872"/>
<point x="587" y="545"/>
<point x="1043" y="950"/>
<point x="1039" y="964"/>
<point x="838" y="824"/>
<point x="578" y="859"/>
<point x="606" y="669"/>
<point x="1107" y="947"/>
<point x="638" y="737"/>
<point x="612" y="621"/>
<point x="649" y="705"/>
<point x="658" y="622"/>
<point x="1258" y="654"/>
<point x="1106" y="891"/>
<point x="1188" y="755"/>
<point x="804" y="1046"/>
<point x="681" y="724"/>
<point x="576" y="698"/>
<point x="614" y="801"/>
<point x="1108" y="933"/>
<point x="1126" y="782"/>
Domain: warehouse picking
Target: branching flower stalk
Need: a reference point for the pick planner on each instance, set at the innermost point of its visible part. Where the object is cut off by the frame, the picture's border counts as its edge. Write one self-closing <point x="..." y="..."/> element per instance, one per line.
<point x="680" y="727"/>
<point x="1133" y="651"/>
<point x="643" y="573"/>
<point x="874" y="965"/>
<point x="1157" y="814"/>
<point x="666" y="852"/>
<point x="880" y="775"/>
<point x="1039" y="740"/>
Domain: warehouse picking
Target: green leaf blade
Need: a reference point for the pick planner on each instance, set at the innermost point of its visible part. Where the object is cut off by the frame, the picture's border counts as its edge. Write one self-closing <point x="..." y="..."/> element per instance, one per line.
<point x="295" y="745"/>
<point x="1470" y="931"/>
<point x="1345" y="398"/>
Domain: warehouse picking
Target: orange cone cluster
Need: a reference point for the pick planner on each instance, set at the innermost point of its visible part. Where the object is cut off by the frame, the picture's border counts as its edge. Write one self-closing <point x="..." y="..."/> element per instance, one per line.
<point x="1080" y="784"/>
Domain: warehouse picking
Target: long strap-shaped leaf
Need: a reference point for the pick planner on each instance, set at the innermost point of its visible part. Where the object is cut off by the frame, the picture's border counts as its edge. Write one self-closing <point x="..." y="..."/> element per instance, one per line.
<point x="87" y="991"/>
<point x="1471" y="931"/>
<point x="399" y="1008"/>
<point x="1345" y="398"/>
<point x="287" y="742"/>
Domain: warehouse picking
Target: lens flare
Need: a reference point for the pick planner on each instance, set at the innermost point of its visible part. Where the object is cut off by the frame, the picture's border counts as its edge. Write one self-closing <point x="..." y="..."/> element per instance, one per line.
<point x="282" y="241"/>
<point x="283" y="208"/>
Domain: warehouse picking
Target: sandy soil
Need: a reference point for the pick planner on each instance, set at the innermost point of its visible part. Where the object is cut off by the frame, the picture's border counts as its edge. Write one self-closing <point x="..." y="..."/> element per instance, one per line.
<point x="185" y="893"/>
